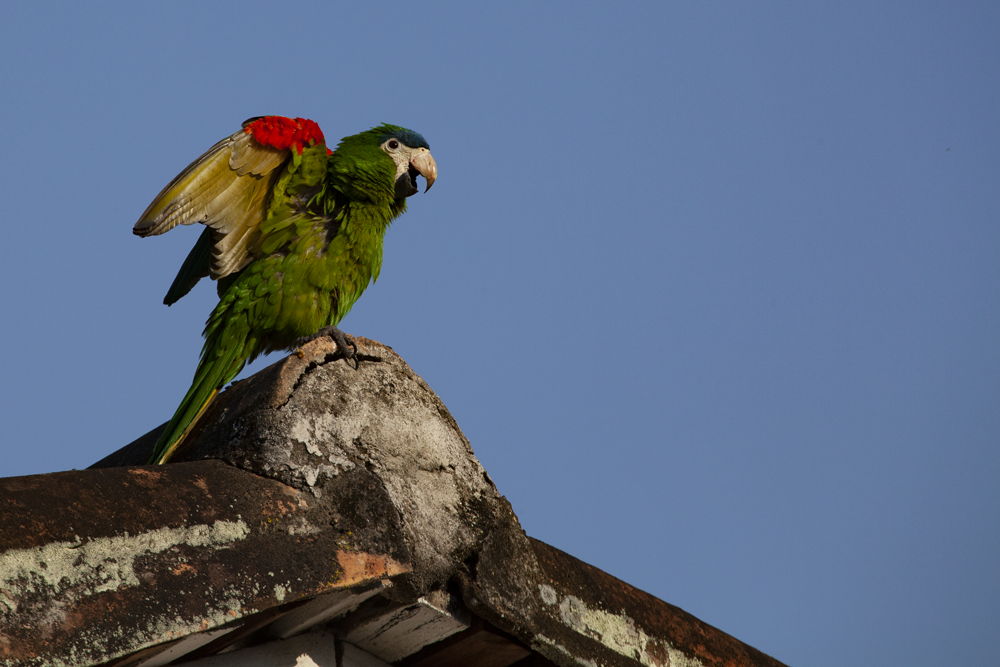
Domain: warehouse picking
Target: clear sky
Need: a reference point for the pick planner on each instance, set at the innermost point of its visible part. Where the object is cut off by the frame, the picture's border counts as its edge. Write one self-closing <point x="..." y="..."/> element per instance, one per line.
<point x="712" y="287"/>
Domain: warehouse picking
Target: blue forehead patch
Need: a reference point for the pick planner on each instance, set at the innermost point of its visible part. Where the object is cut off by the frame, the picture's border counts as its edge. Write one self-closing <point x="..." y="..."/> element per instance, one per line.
<point x="408" y="137"/>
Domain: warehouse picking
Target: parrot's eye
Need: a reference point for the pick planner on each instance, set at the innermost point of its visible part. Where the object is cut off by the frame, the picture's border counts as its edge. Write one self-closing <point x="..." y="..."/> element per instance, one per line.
<point x="393" y="144"/>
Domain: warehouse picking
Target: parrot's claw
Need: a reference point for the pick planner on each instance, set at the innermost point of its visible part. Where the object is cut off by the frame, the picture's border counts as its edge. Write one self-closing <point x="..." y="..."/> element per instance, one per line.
<point x="345" y="342"/>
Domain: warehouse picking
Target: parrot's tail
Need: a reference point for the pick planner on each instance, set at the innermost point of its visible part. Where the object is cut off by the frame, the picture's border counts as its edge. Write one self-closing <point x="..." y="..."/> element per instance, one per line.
<point x="216" y="369"/>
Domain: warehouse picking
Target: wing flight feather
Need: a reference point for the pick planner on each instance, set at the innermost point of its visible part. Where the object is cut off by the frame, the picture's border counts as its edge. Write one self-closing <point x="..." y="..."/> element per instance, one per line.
<point x="225" y="189"/>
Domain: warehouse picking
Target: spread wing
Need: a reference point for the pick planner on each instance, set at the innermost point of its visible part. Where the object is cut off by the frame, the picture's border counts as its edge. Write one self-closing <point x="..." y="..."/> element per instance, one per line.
<point x="226" y="189"/>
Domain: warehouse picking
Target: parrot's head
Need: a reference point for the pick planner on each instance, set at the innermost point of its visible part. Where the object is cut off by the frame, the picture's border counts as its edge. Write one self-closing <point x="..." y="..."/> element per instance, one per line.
<point x="412" y="156"/>
<point x="383" y="152"/>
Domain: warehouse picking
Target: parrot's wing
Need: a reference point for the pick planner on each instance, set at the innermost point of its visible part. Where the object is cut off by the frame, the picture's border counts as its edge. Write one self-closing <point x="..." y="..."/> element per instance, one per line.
<point x="226" y="189"/>
<point x="198" y="265"/>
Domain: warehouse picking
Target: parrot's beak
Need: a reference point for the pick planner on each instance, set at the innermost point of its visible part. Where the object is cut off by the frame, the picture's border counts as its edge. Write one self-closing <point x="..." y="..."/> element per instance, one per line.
<point x="426" y="166"/>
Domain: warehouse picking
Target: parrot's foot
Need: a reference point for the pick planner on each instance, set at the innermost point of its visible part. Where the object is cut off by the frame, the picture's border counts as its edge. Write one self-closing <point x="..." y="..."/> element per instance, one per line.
<point x="345" y="342"/>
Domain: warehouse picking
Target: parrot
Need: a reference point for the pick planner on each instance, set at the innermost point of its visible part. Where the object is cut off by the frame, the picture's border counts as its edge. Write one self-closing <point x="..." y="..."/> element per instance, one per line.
<point x="293" y="235"/>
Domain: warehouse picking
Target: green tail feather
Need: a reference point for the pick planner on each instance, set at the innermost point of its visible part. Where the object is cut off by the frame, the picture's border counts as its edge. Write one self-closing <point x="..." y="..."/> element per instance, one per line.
<point x="212" y="375"/>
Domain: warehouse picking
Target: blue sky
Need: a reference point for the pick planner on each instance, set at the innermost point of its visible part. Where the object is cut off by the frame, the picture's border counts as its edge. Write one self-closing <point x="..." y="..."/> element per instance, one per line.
<point x="711" y="287"/>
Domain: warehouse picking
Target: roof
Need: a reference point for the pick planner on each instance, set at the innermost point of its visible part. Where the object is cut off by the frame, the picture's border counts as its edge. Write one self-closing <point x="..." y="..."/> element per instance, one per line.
<point x="318" y="515"/>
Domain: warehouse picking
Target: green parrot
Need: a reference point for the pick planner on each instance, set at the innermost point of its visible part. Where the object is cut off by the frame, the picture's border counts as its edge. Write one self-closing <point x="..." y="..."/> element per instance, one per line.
<point x="293" y="236"/>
